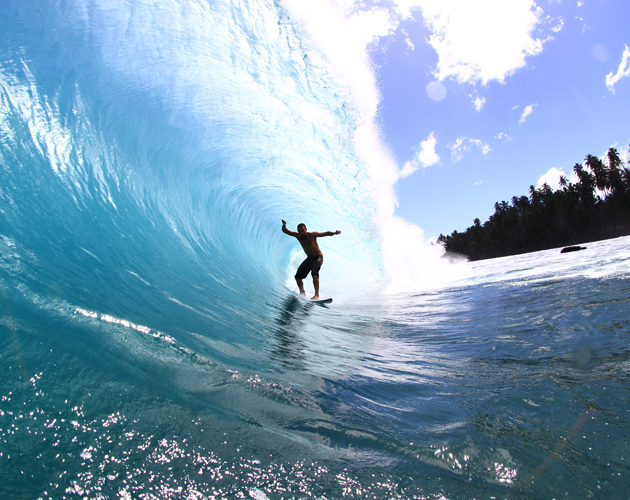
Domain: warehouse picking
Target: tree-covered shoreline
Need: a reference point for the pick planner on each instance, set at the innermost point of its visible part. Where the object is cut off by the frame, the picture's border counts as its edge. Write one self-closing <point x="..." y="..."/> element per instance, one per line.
<point x="595" y="207"/>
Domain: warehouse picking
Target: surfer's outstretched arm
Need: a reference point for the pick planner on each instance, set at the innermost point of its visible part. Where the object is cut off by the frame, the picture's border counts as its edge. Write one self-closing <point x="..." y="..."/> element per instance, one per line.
<point x="327" y="233"/>
<point x="288" y="231"/>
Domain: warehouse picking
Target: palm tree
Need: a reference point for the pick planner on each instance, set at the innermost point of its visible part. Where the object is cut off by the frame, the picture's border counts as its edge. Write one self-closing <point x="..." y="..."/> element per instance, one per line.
<point x="585" y="186"/>
<point x="600" y="172"/>
<point x="614" y="161"/>
<point x="534" y="195"/>
<point x="615" y="173"/>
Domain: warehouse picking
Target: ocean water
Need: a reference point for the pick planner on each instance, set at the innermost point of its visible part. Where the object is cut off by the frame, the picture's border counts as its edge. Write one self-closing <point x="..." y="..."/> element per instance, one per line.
<point x="151" y="343"/>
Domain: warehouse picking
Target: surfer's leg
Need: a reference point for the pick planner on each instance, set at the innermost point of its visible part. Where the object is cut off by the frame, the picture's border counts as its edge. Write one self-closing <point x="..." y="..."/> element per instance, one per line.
<point x="317" y="264"/>
<point x="300" y="285"/>
<point x="316" y="286"/>
<point x="301" y="273"/>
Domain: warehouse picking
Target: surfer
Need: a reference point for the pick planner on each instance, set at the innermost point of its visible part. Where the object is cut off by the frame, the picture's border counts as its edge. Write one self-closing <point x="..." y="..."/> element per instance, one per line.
<point x="314" y="257"/>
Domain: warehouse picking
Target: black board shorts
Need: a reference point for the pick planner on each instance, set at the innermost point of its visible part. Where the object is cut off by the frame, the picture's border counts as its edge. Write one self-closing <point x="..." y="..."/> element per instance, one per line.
<point x="310" y="265"/>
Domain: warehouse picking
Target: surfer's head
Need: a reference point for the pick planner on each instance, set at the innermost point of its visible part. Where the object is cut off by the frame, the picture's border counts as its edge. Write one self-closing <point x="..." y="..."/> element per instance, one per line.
<point x="301" y="228"/>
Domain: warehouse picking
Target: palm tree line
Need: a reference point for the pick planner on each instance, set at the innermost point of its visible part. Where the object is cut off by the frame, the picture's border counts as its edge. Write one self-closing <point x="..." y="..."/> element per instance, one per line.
<point x="595" y="207"/>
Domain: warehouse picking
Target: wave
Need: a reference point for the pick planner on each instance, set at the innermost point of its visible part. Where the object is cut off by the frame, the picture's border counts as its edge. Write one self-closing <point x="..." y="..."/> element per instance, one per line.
<point x="149" y="154"/>
<point x="184" y="133"/>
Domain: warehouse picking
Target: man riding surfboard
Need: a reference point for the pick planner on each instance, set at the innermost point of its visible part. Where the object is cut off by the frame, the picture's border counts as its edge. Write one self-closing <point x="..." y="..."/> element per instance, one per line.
<point x="314" y="256"/>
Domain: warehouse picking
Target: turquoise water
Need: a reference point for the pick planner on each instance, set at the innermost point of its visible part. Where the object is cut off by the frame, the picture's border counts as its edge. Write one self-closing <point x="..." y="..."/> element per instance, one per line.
<point x="150" y="345"/>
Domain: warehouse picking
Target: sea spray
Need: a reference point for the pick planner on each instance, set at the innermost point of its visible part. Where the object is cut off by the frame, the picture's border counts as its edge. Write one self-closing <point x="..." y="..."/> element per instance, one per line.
<point x="342" y="35"/>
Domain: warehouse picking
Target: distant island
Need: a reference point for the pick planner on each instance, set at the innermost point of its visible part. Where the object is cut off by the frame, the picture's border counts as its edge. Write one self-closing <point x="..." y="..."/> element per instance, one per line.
<point x="596" y="207"/>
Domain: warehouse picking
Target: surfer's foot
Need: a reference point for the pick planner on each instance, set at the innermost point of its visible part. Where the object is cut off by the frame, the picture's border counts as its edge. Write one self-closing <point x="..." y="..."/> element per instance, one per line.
<point x="315" y="297"/>
<point x="302" y="293"/>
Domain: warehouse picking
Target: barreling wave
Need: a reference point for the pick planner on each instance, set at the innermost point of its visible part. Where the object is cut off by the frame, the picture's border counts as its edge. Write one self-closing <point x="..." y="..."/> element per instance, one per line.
<point x="149" y="152"/>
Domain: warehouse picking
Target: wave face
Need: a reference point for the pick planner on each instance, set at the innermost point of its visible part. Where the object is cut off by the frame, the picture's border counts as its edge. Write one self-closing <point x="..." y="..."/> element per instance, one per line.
<point x="150" y="152"/>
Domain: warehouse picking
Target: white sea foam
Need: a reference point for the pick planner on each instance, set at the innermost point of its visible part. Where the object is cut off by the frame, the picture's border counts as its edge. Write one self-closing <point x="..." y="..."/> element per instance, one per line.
<point x="343" y="37"/>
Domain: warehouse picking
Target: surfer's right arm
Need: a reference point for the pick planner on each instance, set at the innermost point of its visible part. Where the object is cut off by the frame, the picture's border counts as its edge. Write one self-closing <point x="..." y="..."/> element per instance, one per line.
<point x="288" y="231"/>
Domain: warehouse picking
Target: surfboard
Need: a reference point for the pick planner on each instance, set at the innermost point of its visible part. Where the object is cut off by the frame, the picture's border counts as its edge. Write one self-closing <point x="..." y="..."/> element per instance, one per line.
<point x="318" y="301"/>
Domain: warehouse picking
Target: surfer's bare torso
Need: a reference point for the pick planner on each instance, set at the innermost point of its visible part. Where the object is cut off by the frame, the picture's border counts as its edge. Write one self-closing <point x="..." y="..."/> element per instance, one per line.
<point x="309" y="244"/>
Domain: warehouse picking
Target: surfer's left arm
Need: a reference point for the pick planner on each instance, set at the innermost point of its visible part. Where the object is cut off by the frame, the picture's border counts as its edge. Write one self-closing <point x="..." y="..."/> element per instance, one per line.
<point x="327" y="233"/>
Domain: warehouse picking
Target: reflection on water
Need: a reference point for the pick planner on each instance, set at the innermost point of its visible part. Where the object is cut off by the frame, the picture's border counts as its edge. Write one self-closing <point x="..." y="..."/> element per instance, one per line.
<point x="288" y="346"/>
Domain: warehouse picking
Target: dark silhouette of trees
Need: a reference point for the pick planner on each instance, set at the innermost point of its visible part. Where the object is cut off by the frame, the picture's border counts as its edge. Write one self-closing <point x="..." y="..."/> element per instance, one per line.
<point x="595" y="207"/>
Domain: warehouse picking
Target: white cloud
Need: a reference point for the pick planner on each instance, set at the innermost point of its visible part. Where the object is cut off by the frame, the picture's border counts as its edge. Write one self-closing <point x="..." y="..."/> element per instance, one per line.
<point x="478" y="102"/>
<point x="410" y="45"/>
<point x="558" y="27"/>
<point x="478" y="41"/>
<point x="552" y="178"/>
<point x="623" y="71"/>
<point x="481" y="146"/>
<point x="425" y="157"/>
<point x="463" y="144"/>
<point x="458" y="149"/>
<point x="529" y="109"/>
<point x="503" y="137"/>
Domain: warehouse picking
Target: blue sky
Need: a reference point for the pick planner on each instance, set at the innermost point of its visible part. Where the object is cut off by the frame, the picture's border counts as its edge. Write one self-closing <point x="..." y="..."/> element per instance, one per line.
<point x="473" y="101"/>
